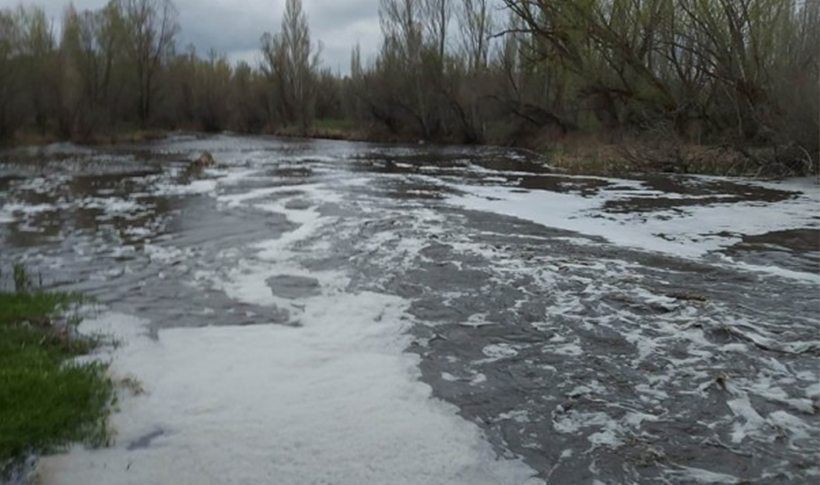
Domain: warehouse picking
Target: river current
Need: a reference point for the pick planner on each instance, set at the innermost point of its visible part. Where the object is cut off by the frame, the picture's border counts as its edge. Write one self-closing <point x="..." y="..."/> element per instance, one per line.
<point x="318" y="312"/>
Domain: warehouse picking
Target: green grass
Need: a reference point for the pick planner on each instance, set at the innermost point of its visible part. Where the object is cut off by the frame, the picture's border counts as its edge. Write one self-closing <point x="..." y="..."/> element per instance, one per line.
<point x="46" y="399"/>
<point x="35" y="306"/>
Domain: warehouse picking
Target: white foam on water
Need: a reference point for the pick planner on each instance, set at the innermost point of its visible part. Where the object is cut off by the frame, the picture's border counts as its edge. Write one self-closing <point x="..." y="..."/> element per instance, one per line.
<point x="246" y="280"/>
<point x="778" y="271"/>
<point x="335" y="401"/>
<point x="27" y="209"/>
<point x="692" y="232"/>
<point x="476" y="320"/>
<point x="111" y="204"/>
<point x="205" y="186"/>
<point x="686" y="474"/>
<point x="520" y="416"/>
<point x="332" y="401"/>
<point x="497" y="352"/>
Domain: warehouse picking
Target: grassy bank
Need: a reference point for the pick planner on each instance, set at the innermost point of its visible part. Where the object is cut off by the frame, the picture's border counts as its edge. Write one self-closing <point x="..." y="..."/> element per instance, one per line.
<point x="616" y="153"/>
<point x="613" y="154"/>
<point x="621" y="154"/>
<point x="46" y="399"/>
<point x="327" y="129"/>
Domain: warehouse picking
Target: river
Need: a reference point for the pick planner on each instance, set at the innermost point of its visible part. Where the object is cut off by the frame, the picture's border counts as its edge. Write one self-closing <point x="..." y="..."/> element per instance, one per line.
<point x="320" y="312"/>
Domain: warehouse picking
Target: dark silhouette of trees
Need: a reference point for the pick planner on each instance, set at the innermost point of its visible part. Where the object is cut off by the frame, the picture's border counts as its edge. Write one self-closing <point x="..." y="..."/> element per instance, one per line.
<point x="739" y="73"/>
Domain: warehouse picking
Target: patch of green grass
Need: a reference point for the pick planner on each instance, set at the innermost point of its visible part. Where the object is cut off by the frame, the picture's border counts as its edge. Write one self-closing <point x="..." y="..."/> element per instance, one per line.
<point x="35" y="306"/>
<point x="46" y="399"/>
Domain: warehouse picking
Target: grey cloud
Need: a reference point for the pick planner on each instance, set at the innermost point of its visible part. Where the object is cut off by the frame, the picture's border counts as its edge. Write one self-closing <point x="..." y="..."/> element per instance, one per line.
<point x="235" y="27"/>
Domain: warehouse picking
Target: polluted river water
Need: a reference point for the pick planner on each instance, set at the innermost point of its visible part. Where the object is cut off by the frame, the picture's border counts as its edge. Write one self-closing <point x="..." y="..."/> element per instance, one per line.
<point x="317" y="312"/>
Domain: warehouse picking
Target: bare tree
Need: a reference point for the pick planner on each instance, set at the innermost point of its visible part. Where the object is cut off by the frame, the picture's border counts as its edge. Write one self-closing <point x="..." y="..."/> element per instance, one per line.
<point x="110" y="44"/>
<point x="401" y="26"/>
<point x="741" y="73"/>
<point x="437" y="15"/>
<point x="83" y="70"/>
<point x="356" y="61"/>
<point x="9" y="34"/>
<point x="476" y="28"/>
<point x="402" y="54"/>
<point x="151" y="28"/>
<point x="291" y="61"/>
<point x="36" y="50"/>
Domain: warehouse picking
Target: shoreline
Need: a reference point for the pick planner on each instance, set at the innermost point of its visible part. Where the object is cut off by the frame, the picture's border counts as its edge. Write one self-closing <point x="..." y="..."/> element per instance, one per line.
<point x="585" y="154"/>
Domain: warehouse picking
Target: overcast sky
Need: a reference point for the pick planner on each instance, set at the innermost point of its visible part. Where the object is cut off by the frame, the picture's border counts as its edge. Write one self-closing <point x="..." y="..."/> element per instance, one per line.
<point x="235" y="26"/>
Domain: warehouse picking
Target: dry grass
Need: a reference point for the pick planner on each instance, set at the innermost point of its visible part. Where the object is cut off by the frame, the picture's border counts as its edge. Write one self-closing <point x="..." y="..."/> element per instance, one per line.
<point x="588" y="156"/>
<point x="334" y="130"/>
<point x="618" y="154"/>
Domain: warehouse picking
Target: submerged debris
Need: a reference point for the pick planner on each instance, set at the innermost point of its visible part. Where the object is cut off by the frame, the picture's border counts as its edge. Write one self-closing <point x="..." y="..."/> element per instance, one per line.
<point x="721" y="380"/>
<point x="205" y="160"/>
<point x="686" y="296"/>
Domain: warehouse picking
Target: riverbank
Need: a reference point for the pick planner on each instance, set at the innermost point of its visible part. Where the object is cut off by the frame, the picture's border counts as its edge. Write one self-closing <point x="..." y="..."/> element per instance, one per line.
<point x="47" y="398"/>
<point x="610" y="155"/>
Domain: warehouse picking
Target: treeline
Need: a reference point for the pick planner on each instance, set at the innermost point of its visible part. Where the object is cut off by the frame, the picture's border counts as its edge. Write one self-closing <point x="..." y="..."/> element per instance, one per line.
<point x="743" y="73"/>
<point x="120" y="68"/>
<point x="739" y="73"/>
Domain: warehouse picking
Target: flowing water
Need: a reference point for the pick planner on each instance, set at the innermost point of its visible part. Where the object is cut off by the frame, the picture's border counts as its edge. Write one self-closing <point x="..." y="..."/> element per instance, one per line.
<point x="337" y="313"/>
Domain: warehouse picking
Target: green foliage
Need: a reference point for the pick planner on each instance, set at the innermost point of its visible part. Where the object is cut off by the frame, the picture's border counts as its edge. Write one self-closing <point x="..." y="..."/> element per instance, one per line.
<point x="35" y="306"/>
<point x="46" y="400"/>
<point x="22" y="281"/>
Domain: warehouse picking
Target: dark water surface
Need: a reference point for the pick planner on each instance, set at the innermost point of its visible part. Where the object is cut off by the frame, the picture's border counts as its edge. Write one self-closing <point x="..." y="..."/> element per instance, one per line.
<point x="685" y="354"/>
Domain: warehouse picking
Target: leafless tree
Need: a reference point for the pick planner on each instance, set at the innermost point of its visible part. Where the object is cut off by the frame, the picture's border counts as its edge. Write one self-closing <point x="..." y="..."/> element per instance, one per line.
<point x="150" y="28"/>
<point x="437" y="15"/>
<point x="291" y="61"/>
<point x="476" y="29"/>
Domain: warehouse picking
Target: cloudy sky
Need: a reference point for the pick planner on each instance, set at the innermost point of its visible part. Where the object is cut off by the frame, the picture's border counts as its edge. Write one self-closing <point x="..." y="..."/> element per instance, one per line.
<point x="235" y="26"/>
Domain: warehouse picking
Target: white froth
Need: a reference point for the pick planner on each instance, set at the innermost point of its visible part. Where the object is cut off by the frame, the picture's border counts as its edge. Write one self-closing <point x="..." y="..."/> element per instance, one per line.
<point x="335" y="400"/>
<point x="692" y="232"/>
<point x="699" y="475"/>
<point x="496" y="352"/>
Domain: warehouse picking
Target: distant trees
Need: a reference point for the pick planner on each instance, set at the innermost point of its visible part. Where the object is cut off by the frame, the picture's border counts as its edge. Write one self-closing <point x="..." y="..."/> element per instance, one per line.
<point x="740" y="73"/>
<point x="476" y="29"/>
<point x="103" y="58"/>
<point x="27" y="54"/>
<point x="697" y="71"/>
<point x="9" y="86"/>
<point x="150" y="28"/>
<point x="248" y="100"/>
<point x="437" y="15"/>
<point x="291" y="63"/>
<point x="87" y="49"/>
<point x="117" y="68"/>
<point x="200" y="91"/>
<point x="710" y="69"/>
